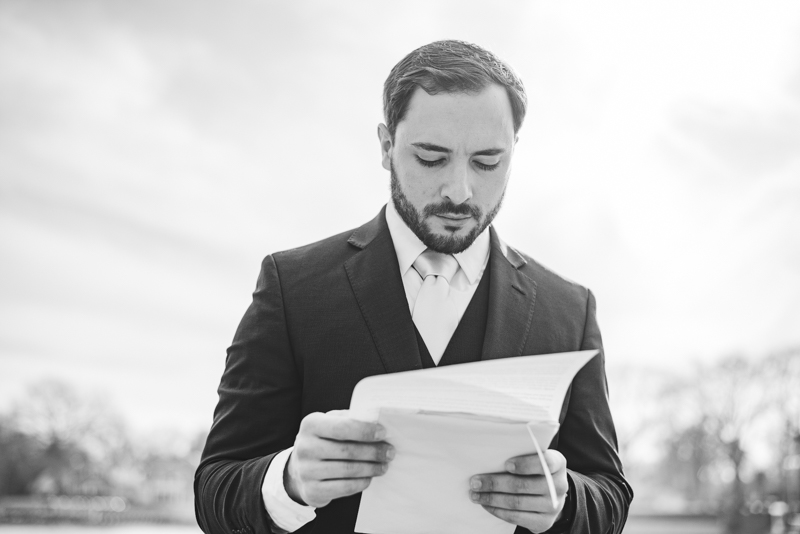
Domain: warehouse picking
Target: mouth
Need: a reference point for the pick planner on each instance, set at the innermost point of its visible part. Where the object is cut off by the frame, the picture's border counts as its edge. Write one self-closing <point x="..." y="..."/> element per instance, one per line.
<point x="453" y="216"/>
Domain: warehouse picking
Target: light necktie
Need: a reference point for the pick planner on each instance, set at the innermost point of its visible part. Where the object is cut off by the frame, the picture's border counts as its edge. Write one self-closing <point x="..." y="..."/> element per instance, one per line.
<point x="435" y="315"/>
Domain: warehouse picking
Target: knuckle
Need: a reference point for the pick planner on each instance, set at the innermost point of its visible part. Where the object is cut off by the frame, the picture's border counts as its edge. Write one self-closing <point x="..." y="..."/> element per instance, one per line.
<point x="335" y="429"/>
<point x="304" y="424"/>
<point x="309" y="421"/>
<point x="301" y="452"/>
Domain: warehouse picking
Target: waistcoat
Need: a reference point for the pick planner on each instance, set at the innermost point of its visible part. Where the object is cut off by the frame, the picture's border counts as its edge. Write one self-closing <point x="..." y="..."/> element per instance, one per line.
<point x="466" y="344"/>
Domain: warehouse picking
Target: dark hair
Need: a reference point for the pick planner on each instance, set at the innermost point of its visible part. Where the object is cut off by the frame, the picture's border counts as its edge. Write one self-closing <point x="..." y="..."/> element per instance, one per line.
<point x="449" y="67"/>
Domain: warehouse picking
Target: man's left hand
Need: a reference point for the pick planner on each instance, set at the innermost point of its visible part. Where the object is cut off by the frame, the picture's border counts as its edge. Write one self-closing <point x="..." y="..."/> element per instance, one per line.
<point x="520" y="495"/>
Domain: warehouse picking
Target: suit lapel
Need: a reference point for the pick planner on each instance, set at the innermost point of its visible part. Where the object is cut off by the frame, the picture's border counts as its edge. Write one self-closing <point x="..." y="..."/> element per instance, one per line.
<point x="375" y="279"/>
<point x="512" y="296"/>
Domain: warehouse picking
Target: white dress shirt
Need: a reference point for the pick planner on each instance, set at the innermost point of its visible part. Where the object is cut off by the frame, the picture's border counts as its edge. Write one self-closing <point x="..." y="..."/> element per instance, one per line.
<point x="286" y="514"/>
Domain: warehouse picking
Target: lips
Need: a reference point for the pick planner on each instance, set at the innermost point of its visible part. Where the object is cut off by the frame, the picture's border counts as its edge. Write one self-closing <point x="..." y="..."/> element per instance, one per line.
<point x="452" y="211"/>
<point x="453" y="217"/>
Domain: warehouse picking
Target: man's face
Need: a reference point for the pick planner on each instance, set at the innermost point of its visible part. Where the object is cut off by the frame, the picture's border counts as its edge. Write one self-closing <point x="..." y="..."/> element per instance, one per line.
<point x="450" y="162"/>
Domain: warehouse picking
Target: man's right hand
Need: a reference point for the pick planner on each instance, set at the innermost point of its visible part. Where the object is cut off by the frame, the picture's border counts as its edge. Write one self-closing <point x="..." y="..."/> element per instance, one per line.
<point x="334" y="456"/>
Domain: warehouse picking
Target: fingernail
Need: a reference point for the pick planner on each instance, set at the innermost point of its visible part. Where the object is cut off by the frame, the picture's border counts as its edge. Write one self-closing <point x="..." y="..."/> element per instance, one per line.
<point x="474" y="496"/>
<point x="510" y="467"/>
<point x="390" y="453"/>
<point x="475" y="484"/>
<point x="380" y="433"/>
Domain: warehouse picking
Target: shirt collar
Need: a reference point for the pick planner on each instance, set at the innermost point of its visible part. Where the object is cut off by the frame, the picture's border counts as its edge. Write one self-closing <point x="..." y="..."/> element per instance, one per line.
<point x="408" y="246"/>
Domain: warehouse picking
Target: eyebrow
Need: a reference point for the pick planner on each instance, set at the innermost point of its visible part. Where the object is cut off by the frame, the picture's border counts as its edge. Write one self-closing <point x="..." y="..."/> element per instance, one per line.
<point x="436" y="148"/>
<point x="432" y="148"/>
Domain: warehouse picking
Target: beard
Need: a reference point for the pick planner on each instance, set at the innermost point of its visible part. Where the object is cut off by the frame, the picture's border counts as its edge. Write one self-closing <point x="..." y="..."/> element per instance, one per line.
<point x="440" y="243"/>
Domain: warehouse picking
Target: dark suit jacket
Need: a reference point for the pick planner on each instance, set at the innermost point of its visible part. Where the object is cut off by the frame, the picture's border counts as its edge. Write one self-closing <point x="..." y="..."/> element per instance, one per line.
<point x="326" y="315"/>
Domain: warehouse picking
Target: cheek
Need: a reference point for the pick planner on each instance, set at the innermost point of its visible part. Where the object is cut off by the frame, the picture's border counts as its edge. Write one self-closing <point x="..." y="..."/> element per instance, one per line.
<point x="488" y="191"/>
<point x="419" y="186"/>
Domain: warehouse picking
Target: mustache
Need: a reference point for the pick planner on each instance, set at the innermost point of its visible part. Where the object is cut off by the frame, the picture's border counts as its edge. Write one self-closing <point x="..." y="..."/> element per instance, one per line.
<point x="447" y="207"/>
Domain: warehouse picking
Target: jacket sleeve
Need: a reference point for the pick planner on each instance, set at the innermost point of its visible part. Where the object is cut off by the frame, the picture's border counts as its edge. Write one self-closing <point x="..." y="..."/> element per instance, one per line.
<point x="257" y="416"/>
<point x="599" y="495"/>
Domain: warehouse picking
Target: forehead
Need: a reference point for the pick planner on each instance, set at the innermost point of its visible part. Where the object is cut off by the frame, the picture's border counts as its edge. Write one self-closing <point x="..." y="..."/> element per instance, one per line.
<point x="459" y="118"/>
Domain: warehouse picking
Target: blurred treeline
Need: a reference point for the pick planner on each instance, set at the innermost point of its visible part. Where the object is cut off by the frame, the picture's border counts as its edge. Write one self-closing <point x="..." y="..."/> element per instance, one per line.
<point x="58" y="442"/>
<point x="720" y="439"/>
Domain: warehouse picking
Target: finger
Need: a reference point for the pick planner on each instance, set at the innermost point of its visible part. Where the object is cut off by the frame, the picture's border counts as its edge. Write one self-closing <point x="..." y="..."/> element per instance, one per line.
<point x="333" y="470"/>
<point x="508" y="483"/>
<point x="323" y="492"/>
<point x="530" y="520"/>
<point x="336" y="427"/>
<point x="511" y="501"/>
<point x="353" y="450"/>
<point x="530" y="464"/>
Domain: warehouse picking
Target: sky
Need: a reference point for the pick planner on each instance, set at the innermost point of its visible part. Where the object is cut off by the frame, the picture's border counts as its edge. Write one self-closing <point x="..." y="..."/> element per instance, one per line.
<point x="153" y="152"/>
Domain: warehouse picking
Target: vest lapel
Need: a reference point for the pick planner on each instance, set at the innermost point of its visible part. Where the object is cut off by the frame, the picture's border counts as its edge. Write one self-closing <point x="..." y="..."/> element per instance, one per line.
<point x="512" y="296"/>
<point x="375" y="279"/>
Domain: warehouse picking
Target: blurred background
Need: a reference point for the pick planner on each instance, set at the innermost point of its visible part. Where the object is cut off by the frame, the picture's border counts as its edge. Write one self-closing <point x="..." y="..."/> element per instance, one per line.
<point x="152" y="152"/>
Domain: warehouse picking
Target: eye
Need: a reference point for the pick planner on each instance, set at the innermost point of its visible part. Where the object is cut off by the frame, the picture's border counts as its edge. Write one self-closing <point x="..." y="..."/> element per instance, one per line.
<point x="486" y="167"/>
<point x="430" y="163"/>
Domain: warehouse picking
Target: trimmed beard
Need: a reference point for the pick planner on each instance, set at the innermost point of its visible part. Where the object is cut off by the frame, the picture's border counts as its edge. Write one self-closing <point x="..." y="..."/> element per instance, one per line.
<point x="416" y="220"/>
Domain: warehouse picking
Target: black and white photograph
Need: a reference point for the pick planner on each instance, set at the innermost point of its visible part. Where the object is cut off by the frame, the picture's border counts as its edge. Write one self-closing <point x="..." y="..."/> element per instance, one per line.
<point x="444" y="267"/>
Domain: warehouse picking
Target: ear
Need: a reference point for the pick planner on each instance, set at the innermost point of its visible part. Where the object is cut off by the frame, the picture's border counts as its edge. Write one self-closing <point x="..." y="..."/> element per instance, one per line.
<point x="385" y="139"/>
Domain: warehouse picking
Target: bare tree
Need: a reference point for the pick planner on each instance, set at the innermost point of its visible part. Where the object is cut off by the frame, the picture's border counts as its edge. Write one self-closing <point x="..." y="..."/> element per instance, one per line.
<point x="719" y="408"/>
<point x="81" y="436"/>
<point x="783" y="374"/>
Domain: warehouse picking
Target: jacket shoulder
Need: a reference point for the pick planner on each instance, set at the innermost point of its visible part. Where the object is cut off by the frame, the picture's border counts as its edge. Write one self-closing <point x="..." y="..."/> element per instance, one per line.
<point x="552" y="286"/>
<point x="313" y="259"/>
<point x="316" y="259"/>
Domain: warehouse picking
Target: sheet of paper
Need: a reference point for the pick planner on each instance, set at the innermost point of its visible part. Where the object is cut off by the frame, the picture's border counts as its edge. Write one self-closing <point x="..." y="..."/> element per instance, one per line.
<point x="426" y="489"/>
<point x="525" y="388"/>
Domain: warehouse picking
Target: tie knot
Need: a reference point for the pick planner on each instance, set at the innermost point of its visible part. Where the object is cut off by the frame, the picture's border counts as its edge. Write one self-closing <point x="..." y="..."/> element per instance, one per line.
<point x="436" y="264"/>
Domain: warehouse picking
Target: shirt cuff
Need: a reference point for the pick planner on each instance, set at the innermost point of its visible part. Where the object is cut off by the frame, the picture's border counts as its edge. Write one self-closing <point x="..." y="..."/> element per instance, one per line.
<point x="286" y="514"/>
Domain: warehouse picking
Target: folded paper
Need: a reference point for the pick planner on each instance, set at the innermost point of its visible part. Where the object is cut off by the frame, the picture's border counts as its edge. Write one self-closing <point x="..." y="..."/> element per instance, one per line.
<point x="450" y="423"/>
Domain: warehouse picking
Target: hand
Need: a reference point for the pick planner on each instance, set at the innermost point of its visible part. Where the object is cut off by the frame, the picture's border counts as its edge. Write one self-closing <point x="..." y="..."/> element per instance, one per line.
<point x="334" y="456"/>
<point x="520" y="496"/>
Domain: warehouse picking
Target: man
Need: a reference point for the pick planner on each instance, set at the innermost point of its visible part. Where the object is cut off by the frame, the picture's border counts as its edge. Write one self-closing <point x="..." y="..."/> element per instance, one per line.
<point x="427" y="282"/>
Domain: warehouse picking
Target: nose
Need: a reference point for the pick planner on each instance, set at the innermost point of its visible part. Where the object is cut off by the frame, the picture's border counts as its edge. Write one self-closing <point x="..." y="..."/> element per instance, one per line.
<point x="457" y="187"/>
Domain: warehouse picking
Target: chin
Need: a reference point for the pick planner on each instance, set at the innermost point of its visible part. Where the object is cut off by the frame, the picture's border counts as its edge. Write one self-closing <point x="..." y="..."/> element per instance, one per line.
<point x="446" y="231"/>
<point x="447" y="242"/>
